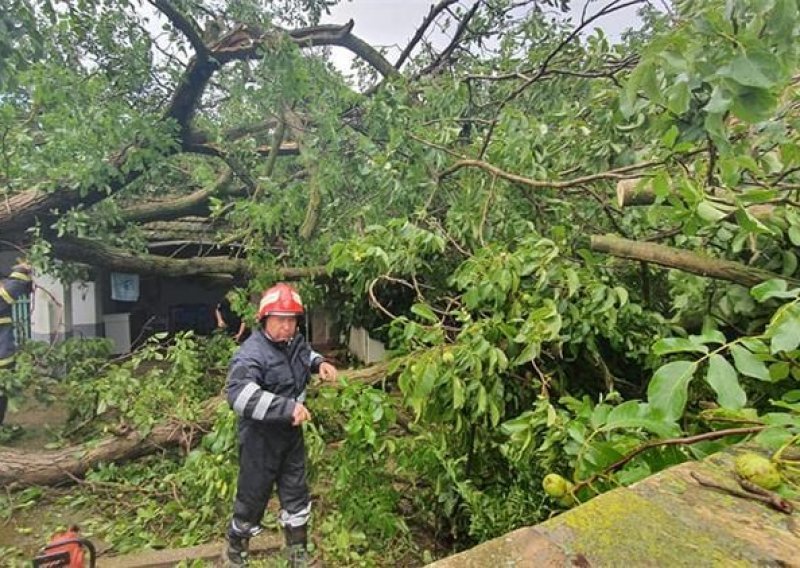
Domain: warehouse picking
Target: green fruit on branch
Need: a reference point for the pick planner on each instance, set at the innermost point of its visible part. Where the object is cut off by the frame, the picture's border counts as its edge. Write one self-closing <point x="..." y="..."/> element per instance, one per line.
<point x="556" y="486"/>
<point x="448" y="358"/>
<point x="758" y="469"/>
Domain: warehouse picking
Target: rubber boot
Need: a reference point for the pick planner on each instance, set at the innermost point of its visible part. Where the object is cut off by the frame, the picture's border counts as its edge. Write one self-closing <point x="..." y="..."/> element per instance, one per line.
<point x="239" y="534"/>
<point x="236" y="551"/>
<point x="296" y="546"/>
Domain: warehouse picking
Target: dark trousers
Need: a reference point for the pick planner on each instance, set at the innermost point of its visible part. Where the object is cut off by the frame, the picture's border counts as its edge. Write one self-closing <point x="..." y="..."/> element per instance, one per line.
<point x="270" y="455"/>
<point x="4" y="398"/>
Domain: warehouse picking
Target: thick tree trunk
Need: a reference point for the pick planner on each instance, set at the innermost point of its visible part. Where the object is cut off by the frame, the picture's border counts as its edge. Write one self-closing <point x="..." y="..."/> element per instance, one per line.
<point x="190" y="229"/>
<point x="195" y="203"/>
<point x="22" y="210"/>
<point x="19" y="468"/>
<point x="682" y="260"/>
<point x="98" y="254"/>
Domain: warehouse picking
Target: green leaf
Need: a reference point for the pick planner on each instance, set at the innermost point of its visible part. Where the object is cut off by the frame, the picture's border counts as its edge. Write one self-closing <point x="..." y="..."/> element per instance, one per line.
<point x="719" y="102"/>
<point x="670" y="136"/>
<point x="794" y="235"/>
<point x="773" y="438"/>
<point x="789" y="264"/>
<point x="622" y="294"/>
<point x="779" y="371"/>
<point x="644" y="77"/>
<point x="677" y="345"/>
<point x="424" y="311"/>
<point x="748" y="364"/>
<point x="636" y="414"/>
<point x="785" y="330"/>
<point x="723" y="379"/>
<point x="458" y="393"/>
<point x="753" y="104"/>
<point x="679" y="96"/>
<point x="528" y="354"/>
<point x="709" y="336"/>
<point x="758" y="195"/>
<point x="481" y="400"/>
<point x="708" y="212"/>
<point x="426" y="382"/>
<point x="715" y="126"/>
<point x="661" y="184"/>
<point x="674" y="59"/>
<point x="752" y="71"/>
<point x="749" y="222"/>
<point x="772" y="288"/>
<point x="601" y="454"/>
<point x="667" y="391"/>
<point x="633" y="473"/>
<point x="519" y="424"/>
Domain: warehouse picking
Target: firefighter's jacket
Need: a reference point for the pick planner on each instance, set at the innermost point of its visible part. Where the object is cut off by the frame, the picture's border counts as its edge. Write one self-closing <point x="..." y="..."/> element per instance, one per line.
<point x="11" y="289"/>
<point x="265" y="378"/>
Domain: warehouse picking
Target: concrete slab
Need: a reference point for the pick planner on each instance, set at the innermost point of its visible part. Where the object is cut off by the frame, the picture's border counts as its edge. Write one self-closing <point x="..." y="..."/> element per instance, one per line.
<point x="665" y="520"/>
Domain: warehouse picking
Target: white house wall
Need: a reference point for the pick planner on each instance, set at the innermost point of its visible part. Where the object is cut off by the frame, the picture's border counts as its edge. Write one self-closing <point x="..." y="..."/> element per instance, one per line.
<point x="51" y="316"/>
<point x="365" y="348"/>
<point x="87" y="316"/>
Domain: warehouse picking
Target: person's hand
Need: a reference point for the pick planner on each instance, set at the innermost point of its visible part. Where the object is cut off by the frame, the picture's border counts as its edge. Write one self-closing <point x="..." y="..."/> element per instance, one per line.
<point x="300" y="414"/>
<point x="327" y="372"/>
<point x="218" y="317"/>
<point x="240" y="333"/>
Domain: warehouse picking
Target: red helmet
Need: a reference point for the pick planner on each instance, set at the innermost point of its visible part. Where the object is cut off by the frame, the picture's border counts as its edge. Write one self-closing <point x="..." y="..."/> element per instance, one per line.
<point x="280" y="300"/>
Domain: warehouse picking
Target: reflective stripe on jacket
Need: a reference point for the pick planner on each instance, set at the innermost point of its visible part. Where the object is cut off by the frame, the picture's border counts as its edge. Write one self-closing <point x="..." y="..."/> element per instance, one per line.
<point x="265" y="378"/>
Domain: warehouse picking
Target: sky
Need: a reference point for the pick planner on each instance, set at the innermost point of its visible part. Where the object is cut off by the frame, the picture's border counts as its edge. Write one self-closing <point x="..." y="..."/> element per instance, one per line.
<point x="392" y="23"/>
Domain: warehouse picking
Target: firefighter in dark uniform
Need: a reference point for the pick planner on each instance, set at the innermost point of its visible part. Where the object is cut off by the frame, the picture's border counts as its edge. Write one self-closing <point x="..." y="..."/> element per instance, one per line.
<point x="266" y="387"/>
<point x="17" y="284"/>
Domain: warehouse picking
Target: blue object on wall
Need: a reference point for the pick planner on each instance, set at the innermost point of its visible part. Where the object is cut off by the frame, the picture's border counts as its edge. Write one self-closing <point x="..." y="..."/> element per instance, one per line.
<point x="124" y="287"/>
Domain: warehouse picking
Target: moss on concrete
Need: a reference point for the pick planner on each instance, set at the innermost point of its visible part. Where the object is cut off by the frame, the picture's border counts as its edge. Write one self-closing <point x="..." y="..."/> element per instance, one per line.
<point x="668" y="519"/>
<point x="620" y="526"/>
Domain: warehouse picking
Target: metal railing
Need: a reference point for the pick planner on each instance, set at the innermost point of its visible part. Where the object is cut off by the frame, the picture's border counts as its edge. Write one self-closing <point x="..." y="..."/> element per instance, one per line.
<point x="21" y="315"/>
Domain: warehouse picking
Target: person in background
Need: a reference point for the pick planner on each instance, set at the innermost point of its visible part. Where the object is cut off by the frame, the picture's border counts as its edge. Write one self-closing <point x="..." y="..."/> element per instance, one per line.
<point x="229" y="321"/>
<point x="266" y="388"/>
<point x="17" y="284"/>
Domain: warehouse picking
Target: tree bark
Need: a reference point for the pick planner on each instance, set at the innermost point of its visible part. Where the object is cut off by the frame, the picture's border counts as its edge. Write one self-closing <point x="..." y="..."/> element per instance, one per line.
<point x="20" y="468"/>
<point x="684" y="260"/>
<point x="191" y="229"/>
<point x="631" y="194"/>
<point x="628" y="194"/>
<point x="196" y="203"/>
<point x="98" y="254"/>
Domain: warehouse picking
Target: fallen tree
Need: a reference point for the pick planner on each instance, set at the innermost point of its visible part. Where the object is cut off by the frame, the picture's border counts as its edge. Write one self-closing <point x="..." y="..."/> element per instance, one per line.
<point x="98" y="254"/>
<point x="21" y="468"/>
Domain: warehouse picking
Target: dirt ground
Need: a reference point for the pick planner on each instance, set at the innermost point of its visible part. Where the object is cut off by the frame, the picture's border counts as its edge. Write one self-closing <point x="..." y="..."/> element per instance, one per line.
<point x="39" y="425"/>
